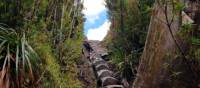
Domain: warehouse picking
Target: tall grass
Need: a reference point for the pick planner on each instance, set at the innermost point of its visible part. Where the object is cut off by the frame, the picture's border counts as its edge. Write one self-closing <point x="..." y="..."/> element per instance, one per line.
<point x="18" y="60"/>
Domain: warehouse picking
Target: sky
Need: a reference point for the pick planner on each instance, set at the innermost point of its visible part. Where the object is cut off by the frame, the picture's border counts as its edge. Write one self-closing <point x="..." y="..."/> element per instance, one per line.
<point x="97" y="23"/>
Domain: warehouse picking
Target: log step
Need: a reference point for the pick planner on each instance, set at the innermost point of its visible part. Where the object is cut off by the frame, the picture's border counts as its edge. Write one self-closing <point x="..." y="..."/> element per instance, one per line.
<point x="114" y="86"/>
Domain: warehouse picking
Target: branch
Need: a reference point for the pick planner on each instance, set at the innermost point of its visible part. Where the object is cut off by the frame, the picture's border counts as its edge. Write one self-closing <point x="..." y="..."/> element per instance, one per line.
<point x="170" y="29"/>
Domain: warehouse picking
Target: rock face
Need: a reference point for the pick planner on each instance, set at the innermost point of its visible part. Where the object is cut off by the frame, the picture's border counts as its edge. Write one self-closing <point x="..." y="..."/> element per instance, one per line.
<point x="161" y="64"/>
<point x="105" y="77"/>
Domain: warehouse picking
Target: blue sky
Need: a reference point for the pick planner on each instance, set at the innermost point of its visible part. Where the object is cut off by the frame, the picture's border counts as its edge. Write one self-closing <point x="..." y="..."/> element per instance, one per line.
<point x="97" y="23"/>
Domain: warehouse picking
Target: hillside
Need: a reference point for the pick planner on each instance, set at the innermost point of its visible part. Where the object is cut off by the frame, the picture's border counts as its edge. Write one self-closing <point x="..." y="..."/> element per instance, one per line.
<point x="150" y="44"/>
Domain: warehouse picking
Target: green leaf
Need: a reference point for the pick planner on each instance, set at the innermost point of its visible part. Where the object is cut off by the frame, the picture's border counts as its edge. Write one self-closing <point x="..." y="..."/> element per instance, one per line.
<point x="195" y="41"/>
<point x="179" y="6"/>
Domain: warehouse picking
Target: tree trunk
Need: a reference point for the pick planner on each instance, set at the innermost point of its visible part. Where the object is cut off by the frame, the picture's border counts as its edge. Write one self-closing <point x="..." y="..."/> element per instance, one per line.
<point x="162" y="65"/>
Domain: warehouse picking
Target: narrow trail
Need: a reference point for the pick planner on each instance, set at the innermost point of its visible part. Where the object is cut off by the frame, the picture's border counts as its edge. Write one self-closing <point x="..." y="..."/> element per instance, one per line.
<point x="104" y="75"/>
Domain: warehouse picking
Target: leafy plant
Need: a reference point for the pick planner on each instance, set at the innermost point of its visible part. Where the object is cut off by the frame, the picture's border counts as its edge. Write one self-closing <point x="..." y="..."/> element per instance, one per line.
<point x="187" y="33"/>
<point x="18" y="60"/>
<point x="179" y="6"/>
<point x="195" y="41"/>
<point x="53" y="29"/>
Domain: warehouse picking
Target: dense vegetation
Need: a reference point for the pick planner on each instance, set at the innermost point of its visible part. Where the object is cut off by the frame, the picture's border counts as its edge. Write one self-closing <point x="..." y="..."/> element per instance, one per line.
<point x="126" y="39"/>
<point x="130" y="24"/>
<point x="40" y="41"/>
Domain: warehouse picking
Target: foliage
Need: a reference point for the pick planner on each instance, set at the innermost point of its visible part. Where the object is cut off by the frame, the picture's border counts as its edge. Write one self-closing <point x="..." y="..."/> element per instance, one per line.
<point x="189" y="34"/>
<point x="127" y="36"/>
<point x="19" y="62"/>
<point x="54" y="29"/>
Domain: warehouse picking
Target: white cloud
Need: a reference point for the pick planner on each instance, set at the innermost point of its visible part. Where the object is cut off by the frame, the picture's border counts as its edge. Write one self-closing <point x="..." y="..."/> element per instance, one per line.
<point x="100" y="32"/>
<point x="93" y="7"/>
<point x="92" y="10"/>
